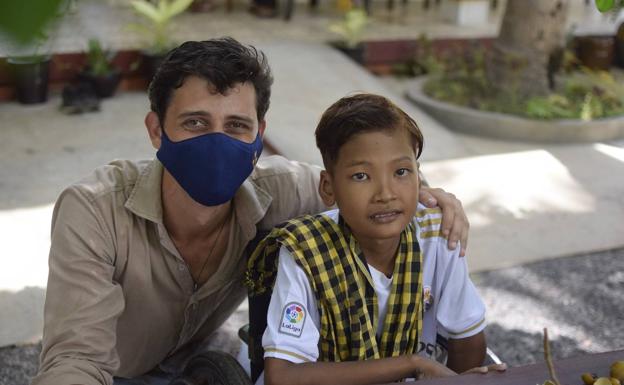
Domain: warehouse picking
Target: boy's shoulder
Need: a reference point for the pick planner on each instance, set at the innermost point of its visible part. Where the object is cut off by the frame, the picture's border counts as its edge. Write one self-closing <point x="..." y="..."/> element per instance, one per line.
<point x="428" y="223"/>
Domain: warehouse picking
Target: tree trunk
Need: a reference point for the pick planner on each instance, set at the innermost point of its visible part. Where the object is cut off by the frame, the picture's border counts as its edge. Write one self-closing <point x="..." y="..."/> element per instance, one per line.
<point x="531" y="31"/>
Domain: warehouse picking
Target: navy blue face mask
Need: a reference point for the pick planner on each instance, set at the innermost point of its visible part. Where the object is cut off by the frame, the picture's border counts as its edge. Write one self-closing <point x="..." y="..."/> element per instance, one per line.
<point x="210" y="167"/>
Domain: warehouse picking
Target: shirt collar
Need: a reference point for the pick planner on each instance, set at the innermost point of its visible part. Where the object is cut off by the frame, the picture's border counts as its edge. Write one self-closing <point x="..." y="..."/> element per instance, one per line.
<point x="145" y="199"/>
<point x="250" y="202"/>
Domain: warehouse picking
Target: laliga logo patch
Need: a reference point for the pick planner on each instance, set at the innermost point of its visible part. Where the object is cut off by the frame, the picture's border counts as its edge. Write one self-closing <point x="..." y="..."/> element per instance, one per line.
<point x="293" y="318"/>
<point x="427" y="298"/>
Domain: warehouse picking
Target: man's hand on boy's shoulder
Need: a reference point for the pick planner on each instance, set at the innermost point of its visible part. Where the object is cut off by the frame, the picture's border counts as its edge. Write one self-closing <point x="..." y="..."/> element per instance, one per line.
<point x="455" y="223"/>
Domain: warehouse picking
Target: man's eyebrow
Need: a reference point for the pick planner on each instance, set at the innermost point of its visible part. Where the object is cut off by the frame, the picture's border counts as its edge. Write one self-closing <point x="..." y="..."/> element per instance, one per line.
<point x="194" y="113"/>
<point x="243" y="118"/>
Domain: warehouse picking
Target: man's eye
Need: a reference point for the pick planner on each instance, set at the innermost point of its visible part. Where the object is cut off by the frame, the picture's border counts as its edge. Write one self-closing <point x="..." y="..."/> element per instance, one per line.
<point x="194" y="123"/>
<point x="359" y="176"/>
<point x="238" y="125"/>
<point x="403" y="171"/>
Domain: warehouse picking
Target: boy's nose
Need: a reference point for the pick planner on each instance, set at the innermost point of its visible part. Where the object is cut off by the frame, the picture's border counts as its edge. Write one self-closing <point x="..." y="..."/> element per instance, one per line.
<point x="384" y="192"/>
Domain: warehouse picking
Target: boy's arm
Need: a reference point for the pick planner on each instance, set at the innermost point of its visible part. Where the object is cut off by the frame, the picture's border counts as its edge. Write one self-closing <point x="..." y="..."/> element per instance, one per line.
<point x="466" y="353"/>
<point x="282" y="372"/>
<point x="460" y="311"/>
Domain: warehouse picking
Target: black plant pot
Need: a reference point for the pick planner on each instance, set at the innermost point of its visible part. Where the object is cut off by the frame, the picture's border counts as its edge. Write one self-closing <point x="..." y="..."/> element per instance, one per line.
<point x="355" y="53"/>
<point x="151" y="63"/>
<point x="596" y="52"/>
<point x="104" y="85"/>
<point x="30" y="75"/>
<point x="619" y="46"/>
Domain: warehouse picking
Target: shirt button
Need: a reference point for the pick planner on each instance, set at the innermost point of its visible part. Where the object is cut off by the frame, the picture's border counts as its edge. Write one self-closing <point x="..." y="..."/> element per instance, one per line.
<point x="181" y="267"/>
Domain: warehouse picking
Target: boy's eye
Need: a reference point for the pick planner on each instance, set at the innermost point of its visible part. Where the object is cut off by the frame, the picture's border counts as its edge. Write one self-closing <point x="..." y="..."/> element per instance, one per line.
<point x="403" y="171"/>
<point x="359" y="176"/>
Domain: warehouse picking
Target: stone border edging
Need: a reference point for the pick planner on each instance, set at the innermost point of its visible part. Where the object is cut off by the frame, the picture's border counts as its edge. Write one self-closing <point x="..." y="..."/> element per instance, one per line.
<point x="509" y="127"/>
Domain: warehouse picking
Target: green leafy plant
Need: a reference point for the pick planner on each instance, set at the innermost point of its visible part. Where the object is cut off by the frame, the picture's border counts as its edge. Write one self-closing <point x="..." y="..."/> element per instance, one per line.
<point x="423" y="62"/>
<point x="351" y="27"/>
<point x="99" y="60"/>
<point x="25" y="21"/>
<point x="608" y="5"/>
<point x="158" y="18"/>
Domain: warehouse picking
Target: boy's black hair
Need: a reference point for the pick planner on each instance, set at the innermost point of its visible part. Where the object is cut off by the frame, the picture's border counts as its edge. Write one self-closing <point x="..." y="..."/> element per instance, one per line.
<point x="357" y="114"/>
<point x="222" y="62"/>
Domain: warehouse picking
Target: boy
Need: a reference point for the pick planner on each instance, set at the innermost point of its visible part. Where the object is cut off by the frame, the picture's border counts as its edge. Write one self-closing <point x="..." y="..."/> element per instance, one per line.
<point x="348" y="299"/>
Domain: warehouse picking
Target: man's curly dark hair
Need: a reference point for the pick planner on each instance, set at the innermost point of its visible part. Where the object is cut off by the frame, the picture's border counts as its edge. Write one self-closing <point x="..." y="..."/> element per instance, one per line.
<point x="222" y="62"/>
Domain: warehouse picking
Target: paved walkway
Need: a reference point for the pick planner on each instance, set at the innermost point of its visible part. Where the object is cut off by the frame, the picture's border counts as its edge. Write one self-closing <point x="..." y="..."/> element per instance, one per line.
<point x="526" y="202"/>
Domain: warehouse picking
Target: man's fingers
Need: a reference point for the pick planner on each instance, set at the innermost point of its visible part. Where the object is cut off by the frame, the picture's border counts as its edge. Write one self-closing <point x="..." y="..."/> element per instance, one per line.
<point x="463" y="239"/>
<point x="498" y="367"/>
<point x="478" y="369"/>
<point x="426" y="198"/>
<point x="454" y="224"/>
<point x="490" y="368"/>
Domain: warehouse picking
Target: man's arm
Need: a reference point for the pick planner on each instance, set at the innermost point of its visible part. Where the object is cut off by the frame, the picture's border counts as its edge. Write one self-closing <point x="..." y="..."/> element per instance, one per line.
<point x="282" y="372"/>
<point x="466" y="353"/>
<point x="82" y="302"/>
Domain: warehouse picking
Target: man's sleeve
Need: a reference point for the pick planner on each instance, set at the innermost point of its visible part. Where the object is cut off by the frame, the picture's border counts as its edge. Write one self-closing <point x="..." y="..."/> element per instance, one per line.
<point x="292" y="319"/>
<point x="293" y="187"/>
<point x="460" y="311"/>
<point x="307" y="189"/>
<point x="82" y="301"/>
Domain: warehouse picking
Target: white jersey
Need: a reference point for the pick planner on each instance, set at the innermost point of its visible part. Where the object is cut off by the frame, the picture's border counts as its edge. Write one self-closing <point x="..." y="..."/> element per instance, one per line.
<point x="452" y="306"/>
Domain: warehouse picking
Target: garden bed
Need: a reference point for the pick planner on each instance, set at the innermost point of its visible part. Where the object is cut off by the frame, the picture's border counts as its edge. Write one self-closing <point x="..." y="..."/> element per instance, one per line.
<point x="509" y="127"/>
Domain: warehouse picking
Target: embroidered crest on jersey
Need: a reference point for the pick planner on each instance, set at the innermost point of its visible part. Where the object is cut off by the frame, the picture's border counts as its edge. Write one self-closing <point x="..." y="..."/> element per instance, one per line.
<point x="427" y="298"/>
<point x="293" y="318"/>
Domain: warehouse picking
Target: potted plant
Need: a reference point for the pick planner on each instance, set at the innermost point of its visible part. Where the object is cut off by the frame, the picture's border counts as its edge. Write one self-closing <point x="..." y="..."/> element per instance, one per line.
<point x="29" y="33"/>
<point x="351" y="29"/>
<point x="30" y="68"/>
<point x="156" y="28"/>
<point x="100" y="72"/>
<point x="30" y="76"/>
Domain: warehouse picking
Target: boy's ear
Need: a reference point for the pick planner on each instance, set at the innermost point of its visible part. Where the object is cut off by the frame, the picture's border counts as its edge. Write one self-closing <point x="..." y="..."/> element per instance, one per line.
<point x="326" y="189"/>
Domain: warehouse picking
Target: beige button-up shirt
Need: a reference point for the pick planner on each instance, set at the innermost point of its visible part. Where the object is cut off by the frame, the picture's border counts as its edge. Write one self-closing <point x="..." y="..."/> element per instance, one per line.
<point x="120" y="298"/>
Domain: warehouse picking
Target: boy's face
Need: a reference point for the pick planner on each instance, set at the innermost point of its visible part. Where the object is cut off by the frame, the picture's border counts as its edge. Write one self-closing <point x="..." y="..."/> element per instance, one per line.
<point x="375" y="183"/>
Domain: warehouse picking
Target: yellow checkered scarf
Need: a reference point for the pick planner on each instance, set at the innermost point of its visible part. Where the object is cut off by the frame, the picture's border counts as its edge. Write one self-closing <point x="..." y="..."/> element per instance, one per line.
<point x="343" y="287"/>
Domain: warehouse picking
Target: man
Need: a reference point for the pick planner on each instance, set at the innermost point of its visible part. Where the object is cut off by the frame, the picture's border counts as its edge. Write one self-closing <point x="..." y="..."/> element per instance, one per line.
<point x="147" y="257"/>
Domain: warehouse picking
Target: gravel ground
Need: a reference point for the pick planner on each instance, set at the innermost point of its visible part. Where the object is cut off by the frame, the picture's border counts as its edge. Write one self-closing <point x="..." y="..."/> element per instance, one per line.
<point x="580" y="299"/>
